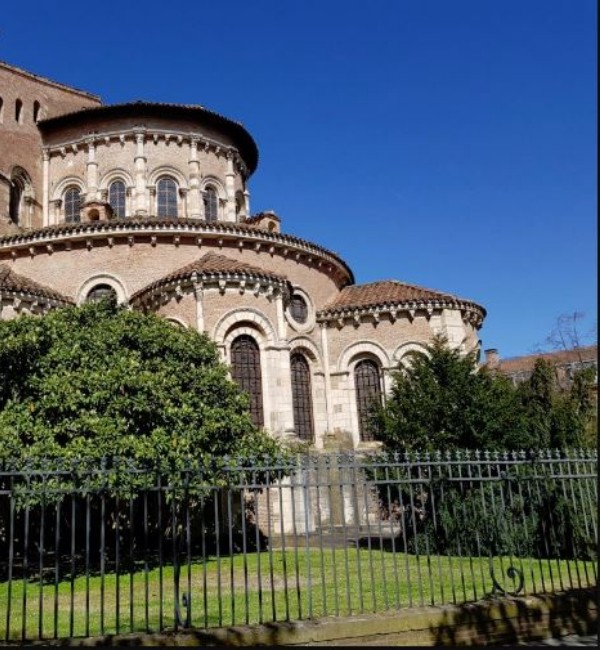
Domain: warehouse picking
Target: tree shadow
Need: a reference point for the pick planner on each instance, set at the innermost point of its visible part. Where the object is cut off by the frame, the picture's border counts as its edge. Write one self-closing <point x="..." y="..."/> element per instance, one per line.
<point x="510" y="620"/>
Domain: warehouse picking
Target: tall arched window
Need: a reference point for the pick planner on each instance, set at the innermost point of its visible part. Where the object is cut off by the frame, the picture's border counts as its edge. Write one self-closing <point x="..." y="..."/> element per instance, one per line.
<point x="211" y="204"/>
<point x="246" y="372"/>
<point x="166" y="193"/>
<point x="16" y="199"/>
<point x="367" y="381"/>
<point x="302" y="397"/>
<point x="116" y="198"/>
<point x="72" y="205"/>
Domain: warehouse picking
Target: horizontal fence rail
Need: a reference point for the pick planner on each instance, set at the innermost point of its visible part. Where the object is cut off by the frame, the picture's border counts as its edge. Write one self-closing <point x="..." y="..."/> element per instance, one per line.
<point x="110" y="548"/>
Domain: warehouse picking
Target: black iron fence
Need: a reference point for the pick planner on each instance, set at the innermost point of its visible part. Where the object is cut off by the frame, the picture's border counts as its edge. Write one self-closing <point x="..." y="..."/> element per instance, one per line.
<point x="116" y="548"/>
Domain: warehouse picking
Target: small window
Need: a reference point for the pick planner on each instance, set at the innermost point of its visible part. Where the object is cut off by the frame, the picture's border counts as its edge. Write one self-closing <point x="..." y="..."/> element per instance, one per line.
<point x="18" y="111"/>
<point x="211" y="204"/>
<point x="298" y="309"/>
<point x="36" y="111"/>
<point x="166" y="190"/>
<point x="1" y="110"/>
<point x="116" y="198"/>
<point x="72" y="205"/>
<point x="101" y="292"/>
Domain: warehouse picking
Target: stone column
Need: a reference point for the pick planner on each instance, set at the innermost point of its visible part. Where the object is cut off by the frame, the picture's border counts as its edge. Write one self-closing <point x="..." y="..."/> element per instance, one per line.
<point x="327" y="373"/>
<point x="46" y="187"/>
<point x="247" y="201"/>
<point x="194" y="203"/>
<point x="230" y="189"/>
<point x="199" y="294"/>
<point x="141" y="199"/>
<point x="183" y="202"/>
<point x="281" y="323"/>
<point x="92" y="171"/>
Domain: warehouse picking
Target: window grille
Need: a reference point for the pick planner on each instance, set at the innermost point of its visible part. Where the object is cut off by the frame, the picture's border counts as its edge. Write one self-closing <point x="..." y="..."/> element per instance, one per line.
<point x="166" y="191"/>
<point x="211" y="204"/>
<point x="298" y="309"/>
<point x="72" y="205"/>
<point x="367" y="381"/>
<point x="101" y="292"/>
<point x="116" y="198"/>
<point x="302" y="397"/>
<point x="246" y="372"/>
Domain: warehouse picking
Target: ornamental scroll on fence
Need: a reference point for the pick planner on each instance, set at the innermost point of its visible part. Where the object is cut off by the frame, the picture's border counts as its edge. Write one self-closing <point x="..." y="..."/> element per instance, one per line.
<point x="88" y="550"/>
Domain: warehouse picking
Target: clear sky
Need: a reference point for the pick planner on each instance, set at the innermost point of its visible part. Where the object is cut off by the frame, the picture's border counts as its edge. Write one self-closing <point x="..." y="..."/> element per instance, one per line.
<point x="450" y="144"/>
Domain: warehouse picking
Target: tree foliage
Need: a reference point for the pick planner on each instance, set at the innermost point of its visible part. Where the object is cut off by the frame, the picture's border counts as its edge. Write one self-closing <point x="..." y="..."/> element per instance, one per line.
<point x="444" y="401"/>
<point x="99" y="380"/>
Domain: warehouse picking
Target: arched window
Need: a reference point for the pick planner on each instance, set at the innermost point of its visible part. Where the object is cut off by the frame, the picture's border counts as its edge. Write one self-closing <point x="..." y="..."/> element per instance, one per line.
<point x="36" y="111"/>
<point x="211" y="204"/>
<point x="116" y="198"/>
<point x="16" y="199"/>
<point x="72" y="205"/>
<point x="367" y="381"/>
<point x="101" y="292"/>
<point x="302" y="397"/>
<point x="166" y="191"/>
<point x="245" y="371"/>
<point x="18" y="110"/>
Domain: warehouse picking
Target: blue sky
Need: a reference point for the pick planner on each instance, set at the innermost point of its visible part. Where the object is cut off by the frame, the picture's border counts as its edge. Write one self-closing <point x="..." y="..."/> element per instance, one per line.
<point x="446" y="144"/>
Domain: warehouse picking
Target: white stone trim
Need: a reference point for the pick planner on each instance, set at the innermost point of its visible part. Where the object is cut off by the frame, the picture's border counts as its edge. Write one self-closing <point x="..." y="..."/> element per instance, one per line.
<point x="66" y="182"/>
<point x="310" y="320"/>
<point x="240" y="316"/>
<point x="116" y="174"/>
<point x="304" y="344"/>
<point x="176" y="320"/>
<point x="215" y="182"/>
<point x="168" y="170"/>
<point x="102" y="278"/>
<point x="406" y="348"/>
<point x="362" y="349"/>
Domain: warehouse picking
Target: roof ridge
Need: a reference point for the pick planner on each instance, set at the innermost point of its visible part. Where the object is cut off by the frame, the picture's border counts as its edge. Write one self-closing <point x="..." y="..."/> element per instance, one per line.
<point x="47" y="80"/>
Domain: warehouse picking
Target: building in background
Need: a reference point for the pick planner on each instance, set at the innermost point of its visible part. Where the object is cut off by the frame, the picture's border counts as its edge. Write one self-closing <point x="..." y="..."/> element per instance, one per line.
<point x="150" y="202"/>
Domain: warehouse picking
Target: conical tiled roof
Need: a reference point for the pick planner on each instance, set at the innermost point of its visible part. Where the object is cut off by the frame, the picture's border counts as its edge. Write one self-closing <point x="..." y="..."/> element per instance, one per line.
<point x="212" y="265"/>
<point x="389" y="292"/>
<point x="14" y="283"/>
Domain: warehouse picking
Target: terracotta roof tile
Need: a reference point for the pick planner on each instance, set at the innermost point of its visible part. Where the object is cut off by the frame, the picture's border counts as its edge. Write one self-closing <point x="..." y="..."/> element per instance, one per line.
<point x="527" y="362"/>
<point x="387" y="292"/>
<point x="212" y="264"/>
<point x="13" y="282"/>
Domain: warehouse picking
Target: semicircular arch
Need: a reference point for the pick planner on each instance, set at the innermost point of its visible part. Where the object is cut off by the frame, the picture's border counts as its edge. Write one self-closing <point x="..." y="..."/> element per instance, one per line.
<point x="362" y="348"/>
<point x="102" y="278"/>
<point x="244" y="317"/>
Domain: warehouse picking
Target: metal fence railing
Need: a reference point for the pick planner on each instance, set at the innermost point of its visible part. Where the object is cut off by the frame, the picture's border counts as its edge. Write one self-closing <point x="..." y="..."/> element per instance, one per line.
<point x="114" y="548"/>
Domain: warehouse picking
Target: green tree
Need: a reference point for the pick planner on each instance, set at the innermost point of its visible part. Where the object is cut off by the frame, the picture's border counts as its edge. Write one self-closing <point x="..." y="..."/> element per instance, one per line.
<point x="444" y="400"/>
<point x="99" y="380"/>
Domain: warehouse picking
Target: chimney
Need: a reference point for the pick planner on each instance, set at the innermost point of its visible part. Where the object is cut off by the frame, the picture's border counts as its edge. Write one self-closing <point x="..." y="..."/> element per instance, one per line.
<point x="492" y="358"/>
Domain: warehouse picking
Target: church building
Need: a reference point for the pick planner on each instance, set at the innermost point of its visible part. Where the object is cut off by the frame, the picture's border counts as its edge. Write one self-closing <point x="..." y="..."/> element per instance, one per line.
<point x="150" y="202"/>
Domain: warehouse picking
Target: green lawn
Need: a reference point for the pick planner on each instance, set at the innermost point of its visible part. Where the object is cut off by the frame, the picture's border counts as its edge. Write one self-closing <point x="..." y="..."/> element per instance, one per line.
<point x="235" y="590"/>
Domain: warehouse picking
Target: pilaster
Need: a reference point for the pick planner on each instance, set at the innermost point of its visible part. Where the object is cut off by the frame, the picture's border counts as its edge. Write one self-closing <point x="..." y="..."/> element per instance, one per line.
<point x="194" y="200"/>
<point x="46" y="187"/>
<point x="230" y="188"/>
<point x="141" y="199"/>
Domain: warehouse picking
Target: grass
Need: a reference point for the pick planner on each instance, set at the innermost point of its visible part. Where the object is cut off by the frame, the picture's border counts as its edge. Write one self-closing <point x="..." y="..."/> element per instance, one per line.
<point x="261" y="587"/>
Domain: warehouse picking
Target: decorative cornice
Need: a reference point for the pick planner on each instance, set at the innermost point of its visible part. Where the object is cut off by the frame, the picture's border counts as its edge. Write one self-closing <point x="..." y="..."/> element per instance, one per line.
<point x="200" y="231"/>
<point x="162" y="291"/>
<point x="470" y="311"/>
